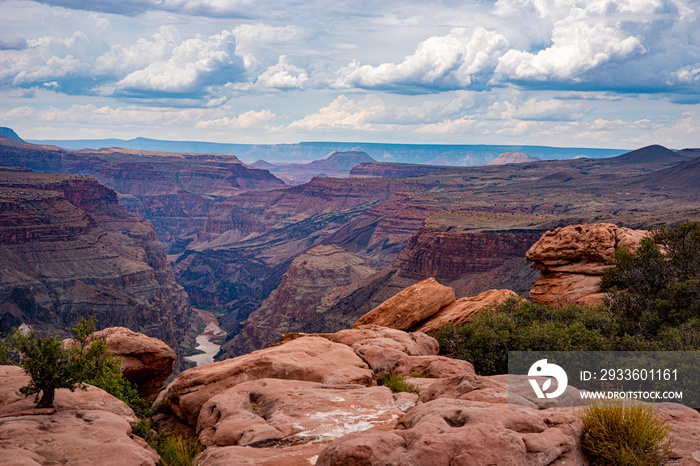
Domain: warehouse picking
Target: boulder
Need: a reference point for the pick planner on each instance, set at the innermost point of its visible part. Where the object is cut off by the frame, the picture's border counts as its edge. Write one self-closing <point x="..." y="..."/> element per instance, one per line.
<point x="381" y="347"/>
<point x="146" y="362"/>
<point x="275" y="412"/>
<point x="573" y="259"/>
<point x="88" y="427"/>
<point x="410" y="306"/>
<point x="312" y="359"/>
<point x="464" y="309"/>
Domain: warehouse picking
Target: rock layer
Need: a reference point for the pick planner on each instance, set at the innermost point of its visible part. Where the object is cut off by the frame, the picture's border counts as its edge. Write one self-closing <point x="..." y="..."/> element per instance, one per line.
<point x="573" y="259"/>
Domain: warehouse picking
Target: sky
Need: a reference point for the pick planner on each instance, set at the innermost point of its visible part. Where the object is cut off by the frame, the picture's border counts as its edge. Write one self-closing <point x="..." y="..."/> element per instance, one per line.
<point x="570" y="73"/>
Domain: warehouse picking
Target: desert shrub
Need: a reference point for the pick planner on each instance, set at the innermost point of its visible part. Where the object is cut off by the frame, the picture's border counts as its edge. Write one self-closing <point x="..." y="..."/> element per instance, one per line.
<point x="657" y="287"/>
<point x="179" y="451"/>
<point x="629" y="434"/>
<point x="51" y="365"/>
<point x="396" y="382"/>
<point x="524" y="326"/>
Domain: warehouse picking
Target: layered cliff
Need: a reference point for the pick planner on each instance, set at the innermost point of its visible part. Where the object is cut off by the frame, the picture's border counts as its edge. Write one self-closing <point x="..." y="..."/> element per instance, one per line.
<point x="68" y="250"/>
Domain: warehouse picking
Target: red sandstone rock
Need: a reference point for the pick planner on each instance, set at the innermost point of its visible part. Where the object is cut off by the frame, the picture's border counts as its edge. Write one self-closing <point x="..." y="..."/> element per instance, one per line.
<point x="146" y="362"/>
<point x="312" y="359"/>
<point x="573" y="258"/>
<point x="89" y="427"/>
<point x="291" y="412"/>
<point x="410" y="306"/>
<point x="381" y="347"/>
<point x="464" y="309"/>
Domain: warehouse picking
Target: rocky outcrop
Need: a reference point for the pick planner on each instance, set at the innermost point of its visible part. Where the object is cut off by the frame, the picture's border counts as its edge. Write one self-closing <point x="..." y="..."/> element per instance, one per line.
<point x="573" y="259"/>
<point x="313" y="282"/>
<point x="427" y="306"/>
<point x="464" y="309"/>
<point x="146" y="362"/>
<point x="87" y="427"/>
<point x="337" y="165"/>
<point x="412" y="305"/>
<point x="68" y="250"/>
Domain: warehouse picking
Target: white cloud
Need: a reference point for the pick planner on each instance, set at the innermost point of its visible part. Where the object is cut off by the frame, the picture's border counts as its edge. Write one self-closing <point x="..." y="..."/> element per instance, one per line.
<point x="577" y="47"/>
<point x="456" y="61"/>
<point x="122" y="58"/>
<point x="283" y="75"/>
<point x="247" y="120"/>
<point x="193" y="64"/>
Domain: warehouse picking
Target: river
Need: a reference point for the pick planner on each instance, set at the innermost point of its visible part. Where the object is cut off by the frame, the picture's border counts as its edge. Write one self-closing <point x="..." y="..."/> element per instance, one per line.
<point x="204" y="343"/>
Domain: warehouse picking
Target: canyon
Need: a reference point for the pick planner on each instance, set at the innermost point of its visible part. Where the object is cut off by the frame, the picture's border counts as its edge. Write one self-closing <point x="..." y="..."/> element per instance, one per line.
<point x="246" y="246"/>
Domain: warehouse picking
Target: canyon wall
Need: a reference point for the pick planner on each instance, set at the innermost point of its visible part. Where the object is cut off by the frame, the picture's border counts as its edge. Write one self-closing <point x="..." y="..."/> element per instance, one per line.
<point x="68" y="250"/>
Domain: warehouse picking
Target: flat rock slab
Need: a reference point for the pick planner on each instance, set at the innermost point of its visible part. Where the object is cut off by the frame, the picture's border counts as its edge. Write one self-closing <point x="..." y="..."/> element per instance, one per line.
<point x="278" y="413"/>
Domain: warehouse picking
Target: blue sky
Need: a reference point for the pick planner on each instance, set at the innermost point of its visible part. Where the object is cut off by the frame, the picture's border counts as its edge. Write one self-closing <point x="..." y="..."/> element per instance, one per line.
<point x="593" y="73"/>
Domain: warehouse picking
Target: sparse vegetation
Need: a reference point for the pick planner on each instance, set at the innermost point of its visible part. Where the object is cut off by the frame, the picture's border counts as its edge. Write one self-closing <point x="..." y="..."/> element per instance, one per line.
<point x="628" y="434"/>
<point x="179" y="451"/>
<point x="396" y="382"/>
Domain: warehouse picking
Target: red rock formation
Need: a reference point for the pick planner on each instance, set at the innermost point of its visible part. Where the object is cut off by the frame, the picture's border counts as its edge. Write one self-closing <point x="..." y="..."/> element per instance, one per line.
<point x="411" y="306"/>
<point x="573" y="259"/>
<point x="68" y="250"/>
<point x="88" y="427"/>
<point x="146" y="362"/>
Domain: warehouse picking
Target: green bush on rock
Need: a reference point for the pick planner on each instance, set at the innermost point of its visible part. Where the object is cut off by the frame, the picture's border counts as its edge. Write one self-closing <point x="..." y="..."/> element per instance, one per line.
<point x="52" y="365"/>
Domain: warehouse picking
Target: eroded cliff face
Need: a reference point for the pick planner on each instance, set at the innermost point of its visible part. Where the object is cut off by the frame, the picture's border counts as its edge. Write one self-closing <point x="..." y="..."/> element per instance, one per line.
<point x="68" y="250"/>
<point x="314" y="282"/>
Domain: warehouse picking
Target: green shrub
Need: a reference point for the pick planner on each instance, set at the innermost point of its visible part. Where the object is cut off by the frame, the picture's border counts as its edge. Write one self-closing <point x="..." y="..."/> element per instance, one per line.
<point x="179" y="451"/>
<point x="657" y="287"/>
<point x="523" y="326"/>
<point x="51" y="366"/>
<point x="625" y="435"/>
<point x="396" y="382"/>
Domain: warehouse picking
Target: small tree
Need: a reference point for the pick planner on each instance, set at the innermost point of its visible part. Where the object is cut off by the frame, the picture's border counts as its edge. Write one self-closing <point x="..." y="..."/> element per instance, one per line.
<point x="52" y="365"/>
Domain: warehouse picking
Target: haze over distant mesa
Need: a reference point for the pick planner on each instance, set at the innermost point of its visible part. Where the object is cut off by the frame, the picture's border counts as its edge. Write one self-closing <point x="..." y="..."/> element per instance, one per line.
<point x="560" y="73"/>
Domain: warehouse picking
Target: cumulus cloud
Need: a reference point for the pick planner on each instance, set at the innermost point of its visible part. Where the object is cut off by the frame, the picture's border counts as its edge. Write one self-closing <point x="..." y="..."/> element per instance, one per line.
<point x="283" y="75"/>
<point x="248" y="120"/>
<point x="462" y="59"/>
<point x="193" y="65"/>
<point x="121" y="58"/>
